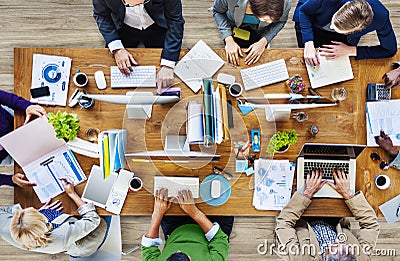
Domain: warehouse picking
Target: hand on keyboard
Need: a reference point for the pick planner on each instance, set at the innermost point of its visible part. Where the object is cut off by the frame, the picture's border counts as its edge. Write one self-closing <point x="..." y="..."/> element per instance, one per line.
<point x="255" y="51"/>
<point x="161" y="203"/>
<point x="342" y="183"/>
<point x="313" y="183"/>
<point x="165" y="78"/>
<point x="186" y="202"/>
<point x="124" y="61"/>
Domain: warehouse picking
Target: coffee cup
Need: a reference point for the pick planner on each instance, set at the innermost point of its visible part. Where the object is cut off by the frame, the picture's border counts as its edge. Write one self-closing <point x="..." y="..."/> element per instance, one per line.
<point x="135" y="184"/>
<point x="80" y="79"/>
<point x="235" y="89"/>
<point x="382" y="182"/>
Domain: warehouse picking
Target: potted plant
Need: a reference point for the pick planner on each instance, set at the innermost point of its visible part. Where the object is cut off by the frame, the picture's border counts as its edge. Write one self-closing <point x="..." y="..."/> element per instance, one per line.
<point x="281" y="141"/>
<point x="65" y="125"/>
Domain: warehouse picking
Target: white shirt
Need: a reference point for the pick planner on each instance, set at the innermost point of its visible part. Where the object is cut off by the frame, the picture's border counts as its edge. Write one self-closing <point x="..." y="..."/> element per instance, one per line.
<point x="137" y="17"/>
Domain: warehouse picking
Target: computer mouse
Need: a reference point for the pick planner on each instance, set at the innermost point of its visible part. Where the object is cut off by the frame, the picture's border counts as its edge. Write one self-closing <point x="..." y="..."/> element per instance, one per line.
<point x="215" y="188"/>
<point x="100" y="80"/>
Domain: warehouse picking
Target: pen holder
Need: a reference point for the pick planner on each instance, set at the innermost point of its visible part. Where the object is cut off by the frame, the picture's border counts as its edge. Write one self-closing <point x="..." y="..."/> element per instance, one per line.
<point x="296" y="83"/>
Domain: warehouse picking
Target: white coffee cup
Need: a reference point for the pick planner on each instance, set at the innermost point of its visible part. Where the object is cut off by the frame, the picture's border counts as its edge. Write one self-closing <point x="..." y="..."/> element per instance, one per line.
<point x="382" y="182"/>
<point x="235" y="89"/>
<point x="135" y="184"/>
<point x="80" y="79"/>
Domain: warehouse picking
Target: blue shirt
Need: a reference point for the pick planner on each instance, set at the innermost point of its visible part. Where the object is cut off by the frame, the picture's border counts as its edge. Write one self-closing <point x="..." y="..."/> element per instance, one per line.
<point x="318" y="13"/>
<point x="325" y="234"/>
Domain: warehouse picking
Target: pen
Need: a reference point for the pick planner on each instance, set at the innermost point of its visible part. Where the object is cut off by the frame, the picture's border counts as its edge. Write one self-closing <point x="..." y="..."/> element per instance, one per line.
<point x="47" y="103"/>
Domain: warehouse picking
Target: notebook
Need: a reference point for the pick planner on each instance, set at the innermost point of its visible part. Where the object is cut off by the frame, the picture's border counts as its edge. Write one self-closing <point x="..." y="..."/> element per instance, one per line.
<point x="112" y="144"/>
<point x="330" y="71"/>
<point x="326" y="157"/>
<point x="109" y="193"/>
<point x="391" y="209"/>
<point x="43" y="157"/>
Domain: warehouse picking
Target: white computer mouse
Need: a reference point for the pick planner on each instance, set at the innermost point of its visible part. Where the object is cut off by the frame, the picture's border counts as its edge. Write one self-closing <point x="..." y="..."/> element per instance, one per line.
<point x="100" y="80"/>
<point x="215" y="188"/>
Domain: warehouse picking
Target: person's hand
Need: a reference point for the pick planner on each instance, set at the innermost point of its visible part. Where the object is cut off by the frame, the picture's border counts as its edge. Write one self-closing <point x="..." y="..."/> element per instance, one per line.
<point x="124" y="61"/>
<point x="342" y="183"/>
<point x="255" y="51"/>
<point x="21" y="181"/>
<point x="161" y="203"/>
<point x="56" y="205"/>
<point x="34" y="110"/>
<point x="310" y="54"/>
<point x="232" y="50"/>
<point x="392" y="78"/>
<point x="165" y="78"/>
<point x="68" y="186"/>
<point x="313" y="183"/>
<point x="385" y="142"/>
<point x="337" y="49"/>
<point x="186" y="202"/>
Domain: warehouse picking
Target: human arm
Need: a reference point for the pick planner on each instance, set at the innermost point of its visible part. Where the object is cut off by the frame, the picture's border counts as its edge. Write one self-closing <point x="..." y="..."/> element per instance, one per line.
<point x="16" y="179"/>
<point x="387" y="40"/>
<point x="342" y="183"/>
<point x="385" y="142"/>
<point x="219" y="10"/>
<point x="392" y="78"/>
<point x="34" y="110"/>
<point x="13" y="101"/>
<point x="291" y="213"/>
<point x="151" y="240"/>
<point x="337" y="49"/>
<point x="218" y="240"/>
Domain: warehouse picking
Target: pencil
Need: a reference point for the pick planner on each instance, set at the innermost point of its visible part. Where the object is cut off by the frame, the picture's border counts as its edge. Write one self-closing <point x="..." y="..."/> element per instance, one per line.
<point x="106" y="156"/>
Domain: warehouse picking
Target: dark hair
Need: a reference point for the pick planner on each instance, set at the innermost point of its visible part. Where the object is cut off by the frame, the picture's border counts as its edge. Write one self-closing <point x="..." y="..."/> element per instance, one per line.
<point x="178" y="256"/>
<point x="272" y="8"/>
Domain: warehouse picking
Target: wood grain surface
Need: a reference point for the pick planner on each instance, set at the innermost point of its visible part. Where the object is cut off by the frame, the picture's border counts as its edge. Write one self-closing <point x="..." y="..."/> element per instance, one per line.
<point x="344" y="123"/>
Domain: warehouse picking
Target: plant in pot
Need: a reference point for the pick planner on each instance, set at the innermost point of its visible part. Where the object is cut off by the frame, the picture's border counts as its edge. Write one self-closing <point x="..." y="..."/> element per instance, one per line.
<point x="281" y="141"/>
<point x="65" y="125"/>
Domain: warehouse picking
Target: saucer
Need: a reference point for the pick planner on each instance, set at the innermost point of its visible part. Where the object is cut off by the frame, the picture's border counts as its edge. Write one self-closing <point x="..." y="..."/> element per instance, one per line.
<point x="205" y="190"/>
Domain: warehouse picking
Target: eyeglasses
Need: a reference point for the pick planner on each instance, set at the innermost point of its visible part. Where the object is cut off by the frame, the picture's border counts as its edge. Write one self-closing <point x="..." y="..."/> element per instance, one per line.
<point x="129" y="5"/>
<point x="383" y="165"/>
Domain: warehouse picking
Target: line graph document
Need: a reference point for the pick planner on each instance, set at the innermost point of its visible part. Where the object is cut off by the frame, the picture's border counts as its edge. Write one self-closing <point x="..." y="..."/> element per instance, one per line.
<point x="200" y="62"/>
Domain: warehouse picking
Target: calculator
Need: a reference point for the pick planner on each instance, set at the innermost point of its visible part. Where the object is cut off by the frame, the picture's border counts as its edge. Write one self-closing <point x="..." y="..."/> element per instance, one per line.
<point x="378" y="92"/>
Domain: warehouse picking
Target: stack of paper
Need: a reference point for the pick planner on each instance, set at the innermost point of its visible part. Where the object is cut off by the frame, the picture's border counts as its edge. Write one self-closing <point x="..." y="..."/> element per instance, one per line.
<point x="385" y="116"/>
<point x="200" y="62"/>
<point x="112" y="150"/>
<point x="273" y="180"/>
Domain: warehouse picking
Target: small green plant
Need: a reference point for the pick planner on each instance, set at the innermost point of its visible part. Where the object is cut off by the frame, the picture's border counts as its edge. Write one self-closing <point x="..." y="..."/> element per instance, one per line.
<point x="66" y="125"/>
<point x="281" y="140"/>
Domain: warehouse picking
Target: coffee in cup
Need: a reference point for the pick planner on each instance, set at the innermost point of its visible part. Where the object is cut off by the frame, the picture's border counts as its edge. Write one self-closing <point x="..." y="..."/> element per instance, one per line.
<point x="235" y="89"/>
<point x="382" y="182"/>
<point x="135" y="184"/>
<point x="80" y="79"/>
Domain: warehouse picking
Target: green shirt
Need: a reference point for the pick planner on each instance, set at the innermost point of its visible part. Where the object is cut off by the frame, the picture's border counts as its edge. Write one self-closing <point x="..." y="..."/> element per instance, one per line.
<point x="190" y="239"/>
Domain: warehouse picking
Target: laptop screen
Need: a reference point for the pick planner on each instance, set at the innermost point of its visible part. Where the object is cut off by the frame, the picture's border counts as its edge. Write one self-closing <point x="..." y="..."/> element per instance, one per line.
<point x="342" y="151"/>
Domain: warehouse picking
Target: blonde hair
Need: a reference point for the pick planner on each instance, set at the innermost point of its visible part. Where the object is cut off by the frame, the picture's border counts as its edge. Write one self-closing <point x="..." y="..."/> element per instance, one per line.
<point x="353" y="16"/>
<point x="30" y="228"/>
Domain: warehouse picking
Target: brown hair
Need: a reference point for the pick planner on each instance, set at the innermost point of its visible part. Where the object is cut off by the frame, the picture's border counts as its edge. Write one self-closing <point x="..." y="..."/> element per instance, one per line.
<point x="272" y="8"/>
<point x="30" y="228"/>
<point x="354" y="16"/>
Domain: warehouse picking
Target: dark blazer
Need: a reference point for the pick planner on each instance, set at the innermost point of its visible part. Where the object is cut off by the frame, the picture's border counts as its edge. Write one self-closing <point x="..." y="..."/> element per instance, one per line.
<point x="110" y="14"/>
<point x="319" y="13"/>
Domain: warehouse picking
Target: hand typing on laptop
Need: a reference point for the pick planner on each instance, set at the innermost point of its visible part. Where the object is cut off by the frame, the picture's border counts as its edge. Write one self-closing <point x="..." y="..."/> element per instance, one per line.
<point x="313" y="184"/>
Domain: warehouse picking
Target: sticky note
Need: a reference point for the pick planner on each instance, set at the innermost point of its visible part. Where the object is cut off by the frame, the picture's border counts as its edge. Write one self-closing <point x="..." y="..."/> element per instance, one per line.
<point x="249" y="171"/>
<point x="241" y="34"/>
<point x="241" y="165"/>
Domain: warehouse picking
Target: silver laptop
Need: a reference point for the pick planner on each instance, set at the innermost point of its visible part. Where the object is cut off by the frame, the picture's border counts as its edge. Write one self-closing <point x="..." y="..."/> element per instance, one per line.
<point x="326" y="157"/>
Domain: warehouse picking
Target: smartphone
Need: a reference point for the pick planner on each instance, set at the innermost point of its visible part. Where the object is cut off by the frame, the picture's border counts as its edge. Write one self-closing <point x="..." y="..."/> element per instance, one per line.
<point x="40" y="92"/>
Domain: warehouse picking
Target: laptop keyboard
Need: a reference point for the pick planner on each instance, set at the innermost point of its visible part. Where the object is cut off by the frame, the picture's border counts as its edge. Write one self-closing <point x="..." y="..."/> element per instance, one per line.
<point x="325" y="167"/>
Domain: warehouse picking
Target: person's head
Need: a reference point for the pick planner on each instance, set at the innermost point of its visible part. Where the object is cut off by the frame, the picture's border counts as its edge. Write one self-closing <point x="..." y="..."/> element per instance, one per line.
<point x="30" y="228"/>
<point x="179" y="256"/>
<point x="340" y="252"/>
<point x="352" y="17"/>
<point x="267" y="11"/>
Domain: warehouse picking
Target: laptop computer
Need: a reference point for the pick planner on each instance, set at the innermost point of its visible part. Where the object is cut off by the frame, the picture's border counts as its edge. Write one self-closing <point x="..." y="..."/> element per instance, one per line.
<point x="326" y="157"/>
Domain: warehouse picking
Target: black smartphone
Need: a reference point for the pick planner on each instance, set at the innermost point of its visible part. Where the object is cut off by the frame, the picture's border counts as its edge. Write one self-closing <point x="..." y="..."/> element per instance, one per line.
<point x="40" y="92"/>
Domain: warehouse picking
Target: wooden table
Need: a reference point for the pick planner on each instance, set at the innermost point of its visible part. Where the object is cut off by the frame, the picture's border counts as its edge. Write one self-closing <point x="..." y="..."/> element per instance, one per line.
<point x="344" y="123"/>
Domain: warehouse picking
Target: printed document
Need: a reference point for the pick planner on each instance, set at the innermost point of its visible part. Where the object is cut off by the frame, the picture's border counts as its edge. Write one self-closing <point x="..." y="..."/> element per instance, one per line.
<point x="200" y="62"/>
<point x="330" y="71"/>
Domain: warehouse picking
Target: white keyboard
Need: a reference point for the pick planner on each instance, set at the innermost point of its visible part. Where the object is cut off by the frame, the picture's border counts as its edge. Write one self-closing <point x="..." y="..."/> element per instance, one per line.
<point x="264" y="74"/>
<point x="176" y="184"/>
<point x="141" y="76"/>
